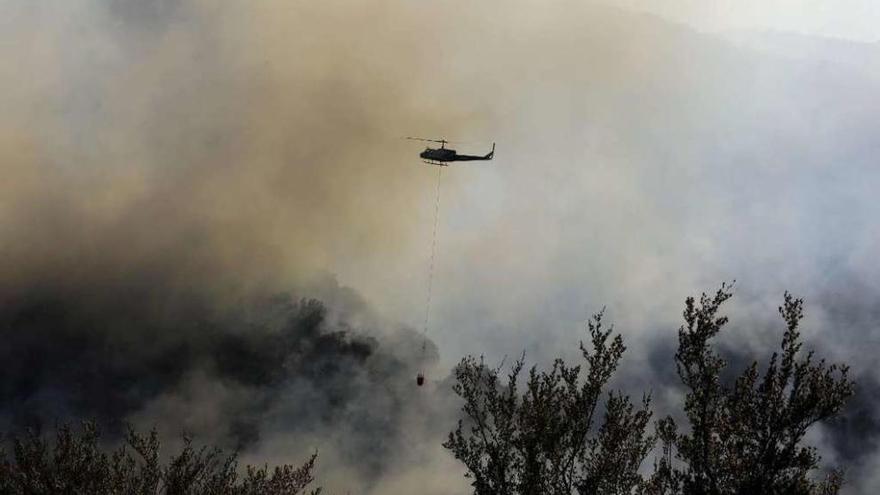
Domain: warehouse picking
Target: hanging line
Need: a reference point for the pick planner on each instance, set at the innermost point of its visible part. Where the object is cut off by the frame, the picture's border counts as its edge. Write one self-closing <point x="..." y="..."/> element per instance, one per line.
<point x="431" y="264"/>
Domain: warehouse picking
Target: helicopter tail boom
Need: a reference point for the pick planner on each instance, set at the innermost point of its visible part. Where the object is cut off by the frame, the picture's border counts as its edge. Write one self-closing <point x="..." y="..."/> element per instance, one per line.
<point x="471" y="158"/>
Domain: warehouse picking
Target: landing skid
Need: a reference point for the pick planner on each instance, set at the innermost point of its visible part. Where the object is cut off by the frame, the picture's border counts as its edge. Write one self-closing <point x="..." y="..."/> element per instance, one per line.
<point x="439" y="164"/>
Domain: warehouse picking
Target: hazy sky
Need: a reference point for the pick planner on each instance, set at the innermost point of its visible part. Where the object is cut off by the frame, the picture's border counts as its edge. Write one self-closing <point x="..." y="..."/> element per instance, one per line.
<point x="847" y="19"/>
<point x="163" y="157"/>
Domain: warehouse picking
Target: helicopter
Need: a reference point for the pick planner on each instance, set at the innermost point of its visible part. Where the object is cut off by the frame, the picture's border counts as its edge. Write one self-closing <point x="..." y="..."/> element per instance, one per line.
<point x="442" y="156"/>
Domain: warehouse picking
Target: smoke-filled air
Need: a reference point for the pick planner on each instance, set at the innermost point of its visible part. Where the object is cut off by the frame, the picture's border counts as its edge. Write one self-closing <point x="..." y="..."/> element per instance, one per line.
<point x="211" y="223"/>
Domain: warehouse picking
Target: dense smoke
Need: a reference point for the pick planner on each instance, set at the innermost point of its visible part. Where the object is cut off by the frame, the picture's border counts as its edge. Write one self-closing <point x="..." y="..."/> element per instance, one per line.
<point x="180" y="176"/>
<point x="222" y="376"/>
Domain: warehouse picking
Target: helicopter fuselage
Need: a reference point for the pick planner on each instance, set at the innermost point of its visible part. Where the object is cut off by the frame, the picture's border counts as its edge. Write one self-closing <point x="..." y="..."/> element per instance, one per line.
<point x="439" y="155"/>
<point x="443" y="155"/>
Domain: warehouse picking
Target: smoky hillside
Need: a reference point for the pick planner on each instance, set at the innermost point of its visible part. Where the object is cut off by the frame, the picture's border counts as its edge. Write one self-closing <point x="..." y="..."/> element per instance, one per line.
<point x="269" y="366"/>
<point x="209" y="222"/>
<point x="72" y="355"/>
<point x="181" y="179"/>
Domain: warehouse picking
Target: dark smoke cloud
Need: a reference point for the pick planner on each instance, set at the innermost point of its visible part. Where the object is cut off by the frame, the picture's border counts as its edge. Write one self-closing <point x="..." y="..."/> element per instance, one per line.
<point x="169" y="168"/>
<point x="112" y="355"/>
<point x="179" y="176"/>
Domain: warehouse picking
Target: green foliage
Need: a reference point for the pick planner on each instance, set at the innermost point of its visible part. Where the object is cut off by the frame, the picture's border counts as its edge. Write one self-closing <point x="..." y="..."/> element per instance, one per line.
<point x="743" y="438"/>
<point x="748" y="437"/>
<point x="544" y="440"/>
<point x="76" y="463"/>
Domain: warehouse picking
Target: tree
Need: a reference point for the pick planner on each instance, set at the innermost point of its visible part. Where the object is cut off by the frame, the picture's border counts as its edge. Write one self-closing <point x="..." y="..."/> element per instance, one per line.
<point x="747" y="438"/>
<point x="744" y="437"/>
<point x="76" y="464"/>
<point x="544" y="440"/>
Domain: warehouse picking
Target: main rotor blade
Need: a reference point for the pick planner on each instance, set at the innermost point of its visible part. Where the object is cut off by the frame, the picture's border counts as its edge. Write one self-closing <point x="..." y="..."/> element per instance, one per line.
<point x="429" y="140"/>
<point x="469" y="143"/>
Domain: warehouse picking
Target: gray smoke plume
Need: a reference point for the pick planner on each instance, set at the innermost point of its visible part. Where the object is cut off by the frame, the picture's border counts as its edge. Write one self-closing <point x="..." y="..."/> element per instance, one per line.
<point x="179" y="176"/>
<point x="136" y="354"/>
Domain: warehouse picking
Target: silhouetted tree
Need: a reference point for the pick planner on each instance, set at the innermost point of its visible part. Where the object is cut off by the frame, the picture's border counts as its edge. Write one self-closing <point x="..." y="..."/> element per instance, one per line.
<point x="743" y="438"/>
<point x="544" y="440"/>
<point x="747" y="438"/>
<point x="76" y="464"/>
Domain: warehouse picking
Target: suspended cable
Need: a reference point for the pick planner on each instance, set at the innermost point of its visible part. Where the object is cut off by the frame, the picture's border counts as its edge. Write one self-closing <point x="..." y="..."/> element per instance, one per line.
<point x="433" y="252"/>
<point x="431" y="270"/>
